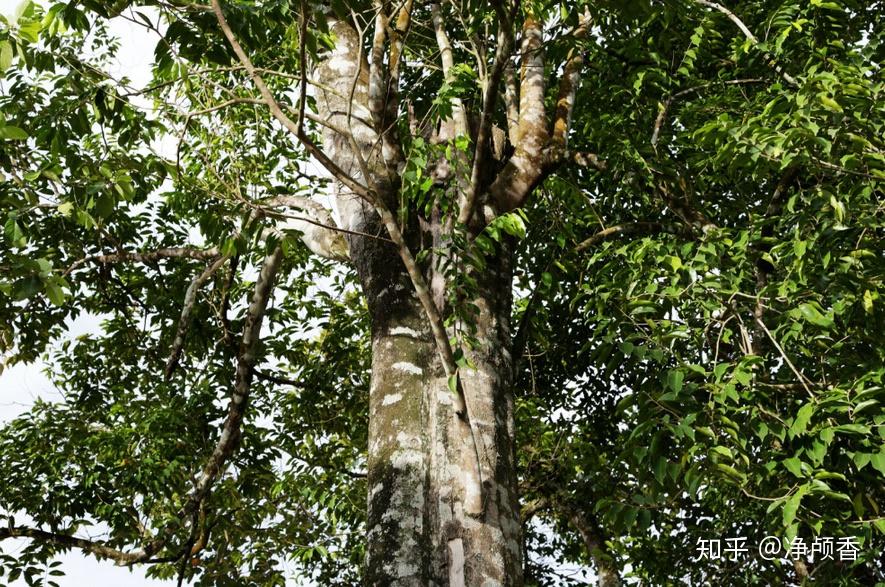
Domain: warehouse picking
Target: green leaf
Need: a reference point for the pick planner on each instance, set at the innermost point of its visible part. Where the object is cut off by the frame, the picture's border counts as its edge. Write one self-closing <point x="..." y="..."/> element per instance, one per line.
<point x="675" y="263"/>
<point x="675" y="379"/>
<point x="55" y="293"/>
<point x="878" y="461"/>
<point x="731" y="472"/>
<point x="791" y="505"/>
<point x="12" y="133"/>
<point x="861" y="459"/>
<point x="724" y="451"/>
<point x="813" y="315"/>
<point x="453" y="383"/>
<point x="800" y="423"/>
<point x="829" y="103"/>
<point x="660" y="469"/>
<point x="5" y="56"/>
<point x="794" y="466"/>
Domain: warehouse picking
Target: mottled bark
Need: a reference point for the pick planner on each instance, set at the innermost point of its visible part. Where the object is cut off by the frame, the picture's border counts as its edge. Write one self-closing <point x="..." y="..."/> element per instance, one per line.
<point x="433" y="517"/>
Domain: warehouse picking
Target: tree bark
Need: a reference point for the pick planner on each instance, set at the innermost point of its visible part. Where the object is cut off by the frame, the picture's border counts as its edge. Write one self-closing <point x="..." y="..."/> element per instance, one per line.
<point x="434" y="516"/>
<point x="442" y="503"/>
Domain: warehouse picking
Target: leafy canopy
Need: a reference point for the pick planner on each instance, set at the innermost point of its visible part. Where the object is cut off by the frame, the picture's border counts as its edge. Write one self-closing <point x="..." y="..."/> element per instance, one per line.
<point x="702" y="320"/>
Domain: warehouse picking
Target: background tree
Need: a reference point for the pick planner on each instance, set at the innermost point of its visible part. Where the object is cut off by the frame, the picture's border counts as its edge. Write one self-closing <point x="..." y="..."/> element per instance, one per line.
<point x="620" y="259"/>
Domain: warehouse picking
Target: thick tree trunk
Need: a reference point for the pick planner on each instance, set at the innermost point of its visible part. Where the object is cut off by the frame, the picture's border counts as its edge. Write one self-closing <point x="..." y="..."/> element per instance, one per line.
<point x="435" y="517"/>
<point x="442" y="506"/>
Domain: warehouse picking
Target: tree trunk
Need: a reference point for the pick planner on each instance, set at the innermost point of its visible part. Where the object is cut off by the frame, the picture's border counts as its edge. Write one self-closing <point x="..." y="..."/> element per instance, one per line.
<point x="434" y="516"/>
<point x="442" y="507"/>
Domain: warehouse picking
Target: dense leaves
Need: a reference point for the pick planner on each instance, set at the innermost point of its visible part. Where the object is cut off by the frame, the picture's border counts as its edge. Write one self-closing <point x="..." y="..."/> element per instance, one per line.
<point x="699" y="324"/>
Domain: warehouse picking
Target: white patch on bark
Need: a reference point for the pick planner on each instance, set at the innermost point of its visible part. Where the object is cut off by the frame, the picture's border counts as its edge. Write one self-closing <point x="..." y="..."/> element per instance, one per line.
<point x="408" y="368"/>
<point x="407" y="441"/>
<point x="456" y="563"/>
<point x="403" y="459"/>
<point x="489" y="440"/>
<point x="445" y="510"/>
<point x="391" y="398"/>
<point x="444" y="396"/>
<point x="378" y="487"/>
<point x="404" y="331"/>
<point x="341" y="64"/>
<point x="472" y="491"/>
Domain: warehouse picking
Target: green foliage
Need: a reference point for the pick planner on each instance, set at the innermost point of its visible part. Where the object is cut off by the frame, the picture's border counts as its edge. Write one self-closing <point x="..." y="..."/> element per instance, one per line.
<point x="718" y="371"/>
<point x="717" y="424"/>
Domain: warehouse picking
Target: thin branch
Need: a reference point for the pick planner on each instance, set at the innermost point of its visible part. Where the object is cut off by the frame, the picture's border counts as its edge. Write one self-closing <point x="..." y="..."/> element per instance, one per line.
<point x="97" y="548"/>
<point x="445" y="55"/>
<point x="277" y="111"/>
<point x="391" y="147"/>
<point x="665" y="107"/>
<point x="146" y="257"/>
<point x="302" y="64"/>
<point x="224" y="448"/>
<point x="632" y="228"/>
<point x="432" y="312"/>
<point x="278" y="379"/>
<point x="802" y="379"/>
<point x="190" y="299"/>
<point x="502" y="56"/>
<point x="294" y="202"/>
<point x="230" y="433"/>
<point x="752" y="38"/>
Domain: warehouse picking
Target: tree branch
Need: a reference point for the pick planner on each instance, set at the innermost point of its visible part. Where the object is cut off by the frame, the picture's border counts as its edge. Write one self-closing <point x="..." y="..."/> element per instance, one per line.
<point x="445" y="54"/>
<point x="319" y="231"/>
<point x="190" y="299"/>
<point x="97" y="548"/>
<point x="752" y="38"/>
<point x="631" y="228"/>
<point x="277" y="111"/>
<point x="568" y="86"/>
<point x="146" y="257"/>
<point x="502" y="57"/>
<point x="278" y="379"/>
<point x="523" y="171"/>
<point x="230" y="433"/>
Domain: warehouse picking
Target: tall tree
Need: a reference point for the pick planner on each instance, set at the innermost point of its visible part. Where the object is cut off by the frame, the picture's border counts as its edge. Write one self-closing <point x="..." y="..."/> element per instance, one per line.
<point x="618" y="258"/>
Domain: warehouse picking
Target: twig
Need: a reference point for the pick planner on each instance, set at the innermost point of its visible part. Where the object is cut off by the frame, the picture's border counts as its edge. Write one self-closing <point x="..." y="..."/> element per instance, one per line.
<point x="665" y="107"/>
<point x="802" y="379"/>
<point x="490" y="99"/>
<point x="740" y="24"/>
